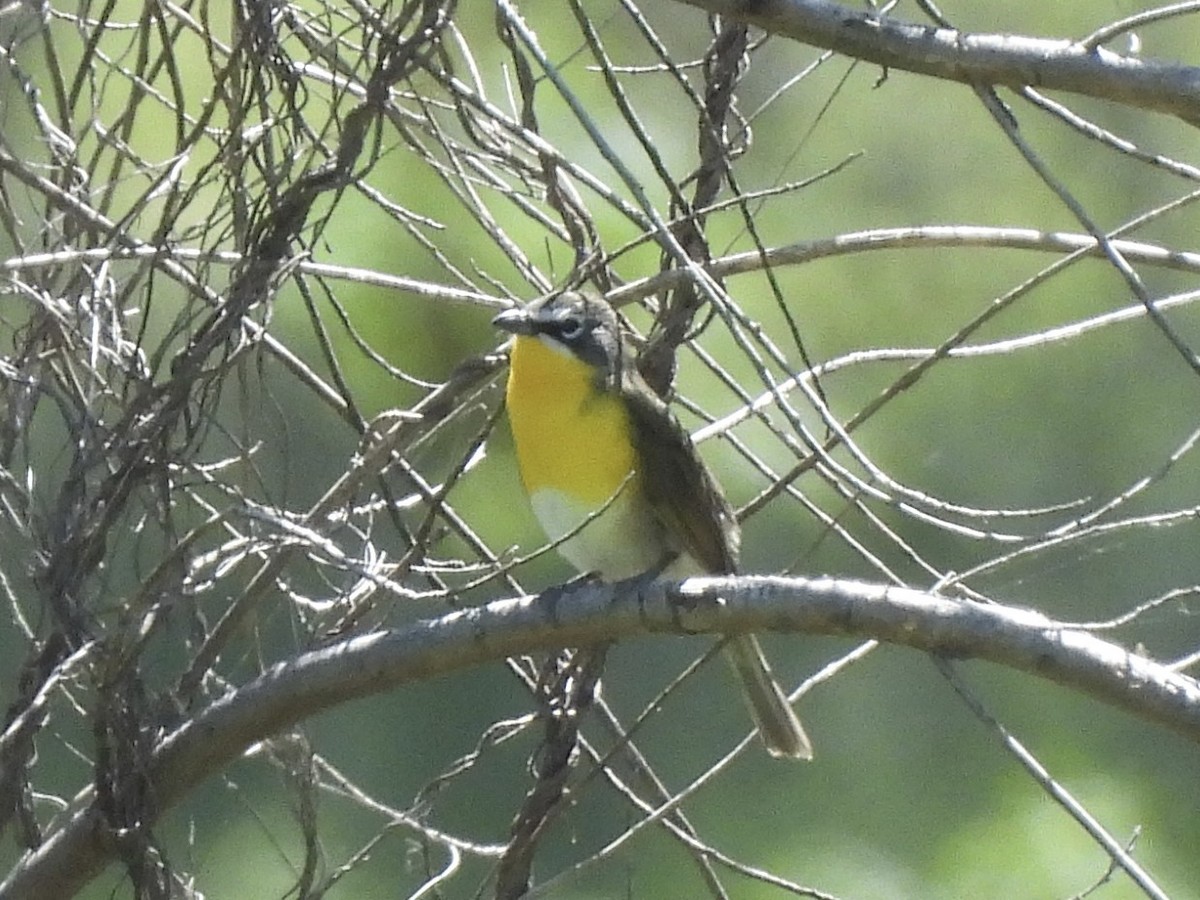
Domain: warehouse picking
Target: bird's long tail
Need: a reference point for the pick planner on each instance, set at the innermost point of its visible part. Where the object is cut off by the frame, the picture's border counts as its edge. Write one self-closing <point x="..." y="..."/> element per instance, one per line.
<point x="778" y="726"/>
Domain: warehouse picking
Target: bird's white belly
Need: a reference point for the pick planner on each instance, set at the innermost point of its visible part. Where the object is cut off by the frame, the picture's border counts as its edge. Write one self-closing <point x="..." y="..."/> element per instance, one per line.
<point x="623" y="541"/>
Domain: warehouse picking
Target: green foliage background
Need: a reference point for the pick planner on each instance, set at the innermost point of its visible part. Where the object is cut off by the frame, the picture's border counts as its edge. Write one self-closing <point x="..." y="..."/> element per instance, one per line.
<point x="910" y="795"/>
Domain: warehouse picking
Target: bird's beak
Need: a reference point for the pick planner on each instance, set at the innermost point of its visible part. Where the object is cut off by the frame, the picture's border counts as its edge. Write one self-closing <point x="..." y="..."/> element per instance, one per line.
<point x="515" y="321"/>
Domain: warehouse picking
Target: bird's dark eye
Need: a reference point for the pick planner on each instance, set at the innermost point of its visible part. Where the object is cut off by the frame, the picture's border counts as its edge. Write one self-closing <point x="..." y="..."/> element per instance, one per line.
<point x="570" y="328"/>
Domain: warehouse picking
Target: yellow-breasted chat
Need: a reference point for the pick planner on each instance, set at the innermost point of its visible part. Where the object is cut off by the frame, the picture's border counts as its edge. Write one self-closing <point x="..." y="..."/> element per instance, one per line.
<point x="606" y="463"/>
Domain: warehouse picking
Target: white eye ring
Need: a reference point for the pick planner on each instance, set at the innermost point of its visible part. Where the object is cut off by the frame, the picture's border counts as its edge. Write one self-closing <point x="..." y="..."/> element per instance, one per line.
<point x="571" y="328"/>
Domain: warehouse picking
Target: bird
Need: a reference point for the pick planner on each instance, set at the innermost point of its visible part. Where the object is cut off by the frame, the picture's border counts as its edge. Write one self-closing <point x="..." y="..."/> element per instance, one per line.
<point x="615" y="479"/>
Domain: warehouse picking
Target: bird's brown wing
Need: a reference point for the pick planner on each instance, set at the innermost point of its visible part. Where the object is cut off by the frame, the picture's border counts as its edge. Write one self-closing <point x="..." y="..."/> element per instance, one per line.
<point x="696" y="516"/>
<point x="677" y="483"/>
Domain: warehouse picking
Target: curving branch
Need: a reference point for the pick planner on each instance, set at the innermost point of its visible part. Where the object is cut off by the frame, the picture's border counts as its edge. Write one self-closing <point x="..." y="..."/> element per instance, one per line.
<point x="908" y="237"/>
<point x="1079" y="67"/>
<point x="593" y="614"/>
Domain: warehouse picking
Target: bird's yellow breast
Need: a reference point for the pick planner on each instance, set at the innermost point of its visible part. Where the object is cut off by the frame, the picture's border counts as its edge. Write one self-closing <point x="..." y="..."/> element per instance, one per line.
<point x="570" y="435"/>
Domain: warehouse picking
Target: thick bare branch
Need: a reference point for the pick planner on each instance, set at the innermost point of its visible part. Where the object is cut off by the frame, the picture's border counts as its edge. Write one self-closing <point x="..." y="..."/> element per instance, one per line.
<point x="991" y="59"/>
<point x="594" y="614"/>
<point x="211" y="220"/>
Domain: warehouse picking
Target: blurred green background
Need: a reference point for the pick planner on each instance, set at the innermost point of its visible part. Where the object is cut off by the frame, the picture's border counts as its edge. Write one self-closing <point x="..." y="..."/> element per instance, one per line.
<point x="910" y="795"/>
